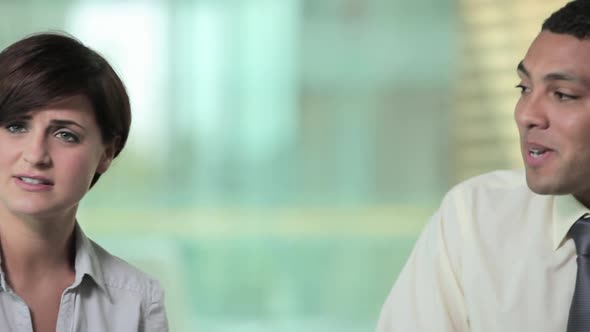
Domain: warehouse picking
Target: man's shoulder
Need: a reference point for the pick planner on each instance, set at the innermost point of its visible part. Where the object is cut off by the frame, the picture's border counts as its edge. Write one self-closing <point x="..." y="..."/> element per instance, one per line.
<point x="496" y="186"/>
<point x="496" y="180"/>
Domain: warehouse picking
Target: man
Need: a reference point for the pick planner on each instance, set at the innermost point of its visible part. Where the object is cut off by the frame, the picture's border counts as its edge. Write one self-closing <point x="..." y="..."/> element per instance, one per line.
<point x="506" y="250"/>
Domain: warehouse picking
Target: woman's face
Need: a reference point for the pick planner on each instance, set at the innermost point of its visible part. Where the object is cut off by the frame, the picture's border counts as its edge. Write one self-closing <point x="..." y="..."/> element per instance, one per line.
<point x="48" y="158"/>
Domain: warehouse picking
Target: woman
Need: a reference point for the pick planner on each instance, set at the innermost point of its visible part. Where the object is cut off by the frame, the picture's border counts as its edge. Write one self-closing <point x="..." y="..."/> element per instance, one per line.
<point x="64" y="116"/>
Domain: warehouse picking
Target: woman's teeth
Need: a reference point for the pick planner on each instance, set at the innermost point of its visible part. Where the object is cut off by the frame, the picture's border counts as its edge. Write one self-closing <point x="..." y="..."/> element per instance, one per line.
<point x="31" y="180"/>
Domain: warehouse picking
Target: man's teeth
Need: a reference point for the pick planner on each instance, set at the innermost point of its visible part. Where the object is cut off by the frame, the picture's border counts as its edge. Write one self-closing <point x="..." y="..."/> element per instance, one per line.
<point x="31" y="181"/>
<point x="536" y="152"/>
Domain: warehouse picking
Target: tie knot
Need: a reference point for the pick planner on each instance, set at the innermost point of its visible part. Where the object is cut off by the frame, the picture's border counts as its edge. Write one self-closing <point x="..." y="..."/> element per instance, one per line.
<point x="580" y="233"/>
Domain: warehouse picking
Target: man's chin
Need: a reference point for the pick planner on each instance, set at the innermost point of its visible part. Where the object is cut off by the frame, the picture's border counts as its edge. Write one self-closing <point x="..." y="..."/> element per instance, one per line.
<point x="542" y="186"/>
<point x="547" y="186"/>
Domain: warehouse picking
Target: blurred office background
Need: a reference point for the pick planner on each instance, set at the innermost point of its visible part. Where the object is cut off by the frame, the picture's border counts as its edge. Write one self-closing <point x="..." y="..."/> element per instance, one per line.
<point x="285" y="154"/>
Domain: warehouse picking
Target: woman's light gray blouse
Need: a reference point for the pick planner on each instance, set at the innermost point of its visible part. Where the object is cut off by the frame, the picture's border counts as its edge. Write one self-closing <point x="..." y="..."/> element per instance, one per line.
<point x="108" y="294"/>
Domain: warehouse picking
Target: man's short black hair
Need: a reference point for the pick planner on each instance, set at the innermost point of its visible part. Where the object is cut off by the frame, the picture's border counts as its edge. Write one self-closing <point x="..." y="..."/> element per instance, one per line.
<point x="573" y="19"/>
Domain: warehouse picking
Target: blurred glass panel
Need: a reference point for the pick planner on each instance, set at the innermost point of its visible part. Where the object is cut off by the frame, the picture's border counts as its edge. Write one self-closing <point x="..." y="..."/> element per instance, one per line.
<point x="285" y="155"/>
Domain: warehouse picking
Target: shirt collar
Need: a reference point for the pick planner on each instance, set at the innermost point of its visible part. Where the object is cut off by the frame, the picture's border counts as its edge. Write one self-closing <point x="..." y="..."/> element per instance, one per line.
<point x="87" y="261"/>
<point x="566" y="211"/>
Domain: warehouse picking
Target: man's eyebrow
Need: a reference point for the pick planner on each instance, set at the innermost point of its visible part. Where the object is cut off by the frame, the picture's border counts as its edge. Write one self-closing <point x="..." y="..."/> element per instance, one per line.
<point x="60" y="122"/>
<point x="565" y="77"/>
<point x="556" y="76"/>
<point x="521" y="68"/>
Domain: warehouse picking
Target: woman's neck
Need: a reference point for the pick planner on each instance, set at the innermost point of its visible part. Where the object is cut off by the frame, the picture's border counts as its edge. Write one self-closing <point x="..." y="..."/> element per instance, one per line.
<point x="31" y="247"/>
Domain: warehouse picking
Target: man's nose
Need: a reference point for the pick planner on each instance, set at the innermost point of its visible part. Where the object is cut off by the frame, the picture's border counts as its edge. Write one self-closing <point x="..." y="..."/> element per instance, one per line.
<point x="531" y="112"/>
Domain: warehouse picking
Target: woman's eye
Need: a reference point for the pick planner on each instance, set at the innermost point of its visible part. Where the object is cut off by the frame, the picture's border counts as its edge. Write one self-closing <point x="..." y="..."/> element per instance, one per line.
<point x="15" y="128"/>
<point x="67" y="137"/>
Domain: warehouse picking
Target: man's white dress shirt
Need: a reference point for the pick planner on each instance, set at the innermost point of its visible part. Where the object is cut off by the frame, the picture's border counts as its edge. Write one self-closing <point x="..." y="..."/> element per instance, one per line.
<point x="494" y="258"/>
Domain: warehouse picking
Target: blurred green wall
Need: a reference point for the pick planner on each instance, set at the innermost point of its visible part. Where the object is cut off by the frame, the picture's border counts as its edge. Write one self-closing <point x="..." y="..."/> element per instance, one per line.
<point x="284" y="155"/>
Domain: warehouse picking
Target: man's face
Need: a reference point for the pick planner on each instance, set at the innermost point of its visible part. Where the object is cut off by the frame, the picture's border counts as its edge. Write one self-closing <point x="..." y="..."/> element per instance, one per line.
<point x="553" y="115"/>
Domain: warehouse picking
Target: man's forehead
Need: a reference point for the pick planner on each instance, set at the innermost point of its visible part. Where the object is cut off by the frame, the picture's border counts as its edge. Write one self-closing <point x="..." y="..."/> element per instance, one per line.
<point x="550" y="54"/>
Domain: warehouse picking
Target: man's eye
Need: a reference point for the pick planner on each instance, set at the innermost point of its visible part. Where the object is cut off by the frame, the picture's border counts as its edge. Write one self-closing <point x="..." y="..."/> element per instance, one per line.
<point x="564" y="96"/>
<point x="522" y="88"/>
<point x="67" y="137"/>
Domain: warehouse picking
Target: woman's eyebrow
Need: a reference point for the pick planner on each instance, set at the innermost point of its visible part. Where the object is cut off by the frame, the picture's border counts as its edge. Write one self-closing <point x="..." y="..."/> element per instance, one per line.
<point x="61" y="122"/>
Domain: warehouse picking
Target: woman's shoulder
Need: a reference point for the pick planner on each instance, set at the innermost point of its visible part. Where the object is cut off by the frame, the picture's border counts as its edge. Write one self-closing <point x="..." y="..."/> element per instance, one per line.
<point x="121" y="275"/>
<point x="121" y="294"/>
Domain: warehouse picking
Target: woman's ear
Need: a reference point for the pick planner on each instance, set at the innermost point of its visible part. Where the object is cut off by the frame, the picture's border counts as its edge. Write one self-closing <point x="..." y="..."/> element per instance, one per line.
<point x="106" y="158"/>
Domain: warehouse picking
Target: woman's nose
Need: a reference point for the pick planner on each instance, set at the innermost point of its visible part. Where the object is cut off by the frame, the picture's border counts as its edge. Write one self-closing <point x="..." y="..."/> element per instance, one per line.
<point x="36" y="151"/>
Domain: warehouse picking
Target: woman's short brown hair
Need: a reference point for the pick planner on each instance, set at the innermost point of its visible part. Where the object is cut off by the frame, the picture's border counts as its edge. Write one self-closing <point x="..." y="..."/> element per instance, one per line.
<point x="45" y="68"/>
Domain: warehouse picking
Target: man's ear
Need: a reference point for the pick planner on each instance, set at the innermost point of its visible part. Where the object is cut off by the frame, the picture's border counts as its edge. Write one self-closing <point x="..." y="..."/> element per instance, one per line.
<point x="106" y="158"/>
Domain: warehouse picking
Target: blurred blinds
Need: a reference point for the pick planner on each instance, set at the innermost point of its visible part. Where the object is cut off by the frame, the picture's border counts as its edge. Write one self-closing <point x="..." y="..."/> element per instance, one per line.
<point x="494" y="36"/>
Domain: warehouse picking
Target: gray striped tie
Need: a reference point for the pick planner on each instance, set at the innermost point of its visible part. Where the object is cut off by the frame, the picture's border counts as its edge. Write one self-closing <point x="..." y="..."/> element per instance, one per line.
<point x="579" y="318"/>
